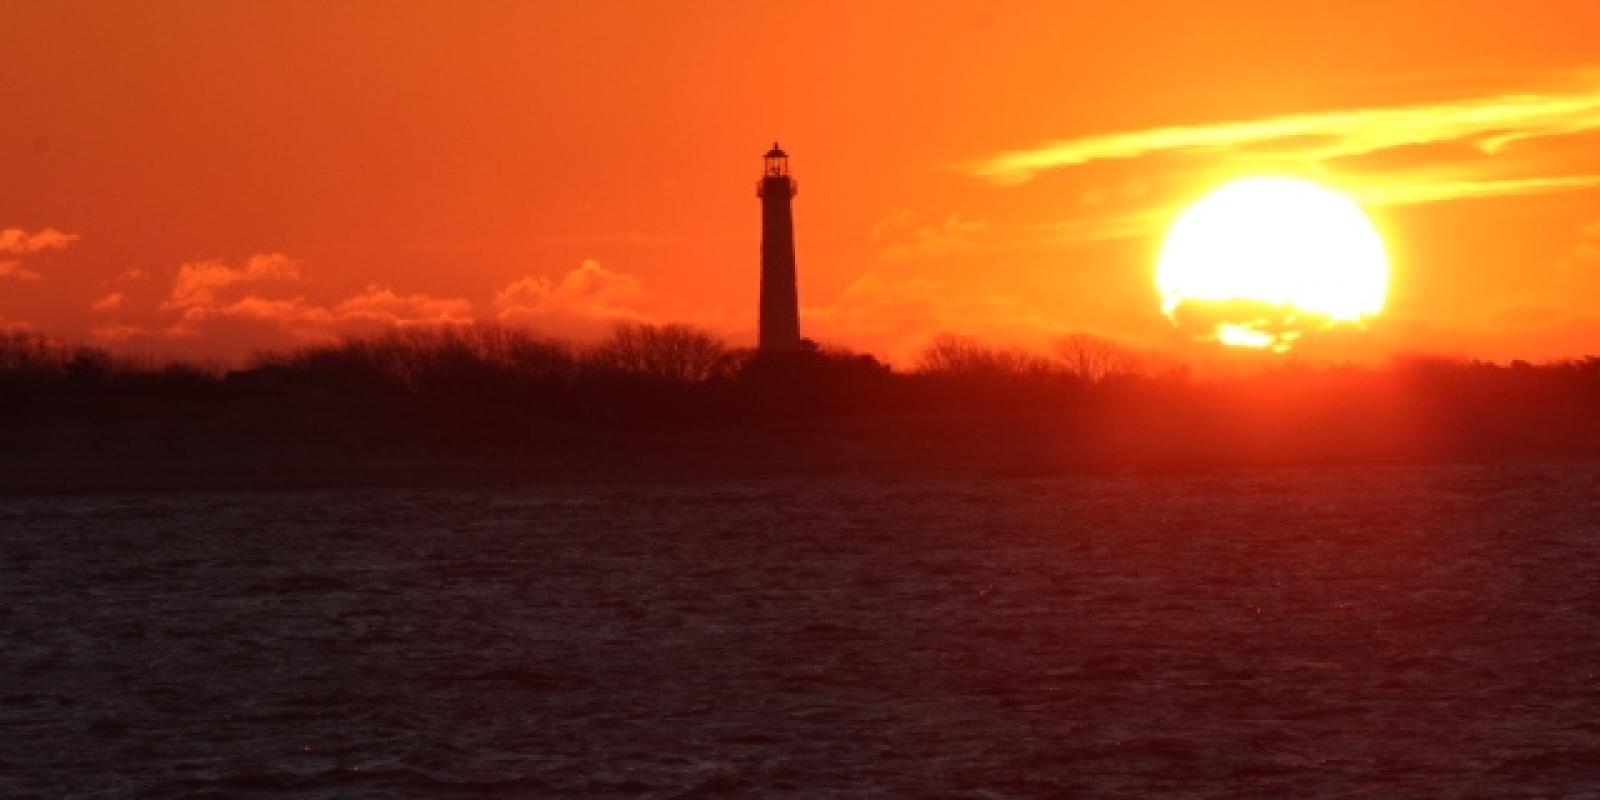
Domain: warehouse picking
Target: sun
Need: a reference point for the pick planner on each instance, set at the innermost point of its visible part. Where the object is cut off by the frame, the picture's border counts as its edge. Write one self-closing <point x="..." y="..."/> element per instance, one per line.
<point x="1259" y="261"/>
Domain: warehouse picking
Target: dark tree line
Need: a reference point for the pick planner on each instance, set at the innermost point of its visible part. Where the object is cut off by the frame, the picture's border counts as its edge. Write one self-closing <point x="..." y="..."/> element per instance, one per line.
<point x="490" y="389"/>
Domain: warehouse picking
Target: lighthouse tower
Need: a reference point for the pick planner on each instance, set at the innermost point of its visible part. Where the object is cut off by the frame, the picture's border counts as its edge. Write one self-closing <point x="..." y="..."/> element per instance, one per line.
<point x="780" y="307"/>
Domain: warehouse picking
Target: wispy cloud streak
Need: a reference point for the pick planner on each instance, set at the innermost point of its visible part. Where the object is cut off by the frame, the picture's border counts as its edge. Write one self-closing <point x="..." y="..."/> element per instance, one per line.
<point x="1489" y="123"/>
<point x="1150" y="221"/>
<point x="1439" y="191"/>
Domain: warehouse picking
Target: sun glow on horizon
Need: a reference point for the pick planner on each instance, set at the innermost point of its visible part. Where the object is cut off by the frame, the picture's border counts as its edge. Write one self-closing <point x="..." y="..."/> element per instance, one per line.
<point x="1259" y="261"/>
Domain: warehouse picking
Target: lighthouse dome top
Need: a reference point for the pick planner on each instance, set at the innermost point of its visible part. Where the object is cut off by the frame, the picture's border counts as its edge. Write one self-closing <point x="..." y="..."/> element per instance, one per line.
<point x="776" y="162"/>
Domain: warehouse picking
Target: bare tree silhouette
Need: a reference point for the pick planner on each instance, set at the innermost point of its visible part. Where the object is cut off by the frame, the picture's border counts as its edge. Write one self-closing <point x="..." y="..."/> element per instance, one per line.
<point x="668" y="352"/>
<point x="1095" y="358"/>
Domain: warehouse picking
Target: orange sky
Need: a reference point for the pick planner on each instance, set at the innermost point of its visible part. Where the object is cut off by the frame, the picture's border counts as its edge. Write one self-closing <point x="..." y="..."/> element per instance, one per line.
<point x="225" y="176"/>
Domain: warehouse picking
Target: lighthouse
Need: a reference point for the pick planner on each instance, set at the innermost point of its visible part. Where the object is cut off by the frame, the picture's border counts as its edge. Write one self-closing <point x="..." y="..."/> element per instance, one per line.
<point x="780" y="305"/>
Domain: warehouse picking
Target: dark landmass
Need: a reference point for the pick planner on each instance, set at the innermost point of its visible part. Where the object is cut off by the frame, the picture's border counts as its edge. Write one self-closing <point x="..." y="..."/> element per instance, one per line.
<point x="472" y="405"/>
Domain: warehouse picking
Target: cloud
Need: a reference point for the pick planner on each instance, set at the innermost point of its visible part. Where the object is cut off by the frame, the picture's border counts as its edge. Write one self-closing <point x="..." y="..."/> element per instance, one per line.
<point x="375" y="308"/>
<point x="198" y="283"/>
<point x="15" y="241"/>
<point x="269" y="300"/>
<point x="218" y="308"/>
<point x="584" y="301"/>
<point x="1489" y="123"/>
<point x="262" y="304"/>
<point x="292" y="315"/>
<point x="1149" y="221"/>
<point x="1438" y="191"/>
<point x="381" y="305"/>
<point x="18" y="242"/>
<point x="14" y="269"/>
<point x="1494" y="145"/>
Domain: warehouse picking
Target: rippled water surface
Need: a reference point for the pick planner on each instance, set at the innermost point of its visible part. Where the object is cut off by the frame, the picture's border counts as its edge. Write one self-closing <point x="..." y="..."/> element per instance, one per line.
<point x="1363" y="632"/>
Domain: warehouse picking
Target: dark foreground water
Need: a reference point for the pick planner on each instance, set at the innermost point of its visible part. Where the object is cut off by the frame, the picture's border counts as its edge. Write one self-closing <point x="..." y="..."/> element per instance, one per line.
<point x="1381" y="632"/>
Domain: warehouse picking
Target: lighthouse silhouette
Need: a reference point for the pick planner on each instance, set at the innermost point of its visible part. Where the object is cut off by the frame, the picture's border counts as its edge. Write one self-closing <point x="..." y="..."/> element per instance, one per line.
<point x="780" y="306"/>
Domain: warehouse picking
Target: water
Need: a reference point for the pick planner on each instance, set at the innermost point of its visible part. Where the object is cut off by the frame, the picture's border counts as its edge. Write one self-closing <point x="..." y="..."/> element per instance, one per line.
<point x="1376" y="631"/>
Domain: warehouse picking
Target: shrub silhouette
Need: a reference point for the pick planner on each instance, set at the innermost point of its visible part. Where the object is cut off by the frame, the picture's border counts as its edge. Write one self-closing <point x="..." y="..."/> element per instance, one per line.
<point x="959" y="356"/>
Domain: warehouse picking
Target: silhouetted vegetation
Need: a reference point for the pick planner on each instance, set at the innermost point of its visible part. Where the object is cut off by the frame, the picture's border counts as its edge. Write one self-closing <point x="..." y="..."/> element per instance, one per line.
<point x="659" y="398"/>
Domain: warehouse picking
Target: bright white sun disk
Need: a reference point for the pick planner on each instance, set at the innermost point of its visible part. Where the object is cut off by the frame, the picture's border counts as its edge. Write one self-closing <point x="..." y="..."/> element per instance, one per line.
<point x="1280" y="242"/>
